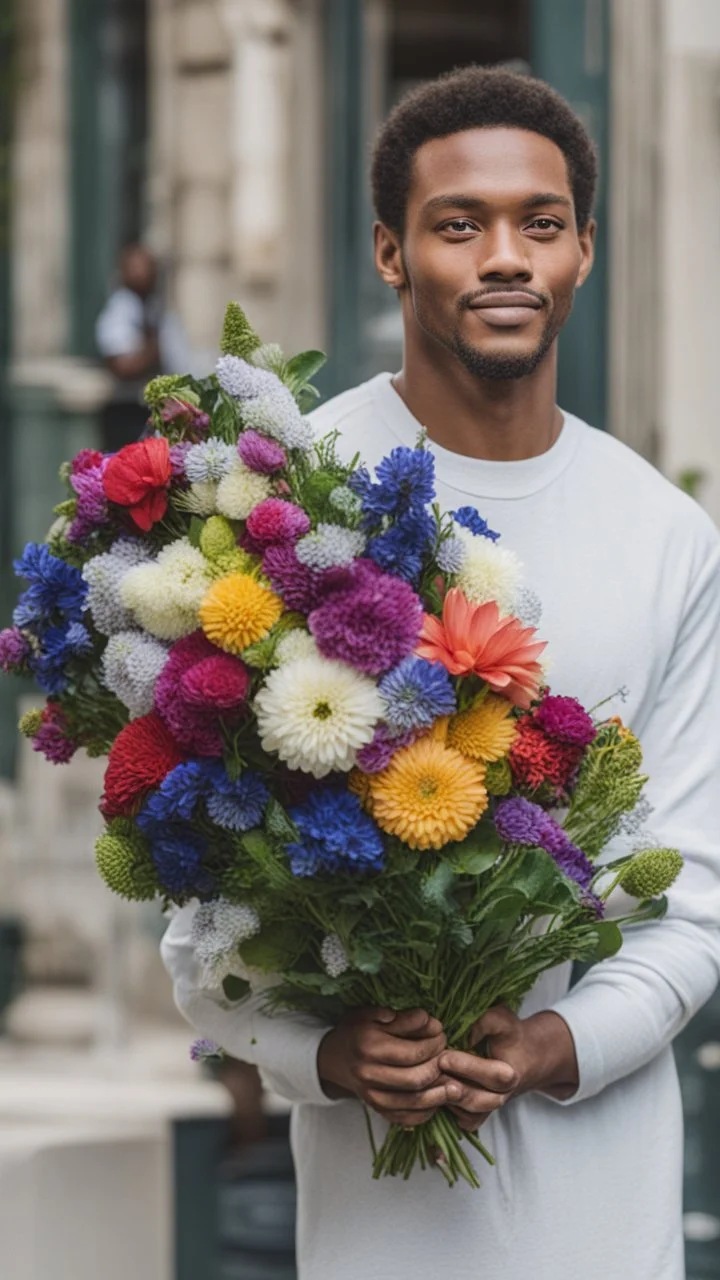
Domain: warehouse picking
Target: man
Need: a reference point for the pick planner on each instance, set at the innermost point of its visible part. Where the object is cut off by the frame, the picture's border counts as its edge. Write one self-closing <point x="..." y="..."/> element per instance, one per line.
<point x="483" y="185"/>
<point x="137" y="339"/>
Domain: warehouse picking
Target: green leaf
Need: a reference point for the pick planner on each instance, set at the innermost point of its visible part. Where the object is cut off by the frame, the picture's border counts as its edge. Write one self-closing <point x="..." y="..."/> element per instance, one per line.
<point x="609" y="940"/>
<point x="366" y="956"/>
<point x="536" y="876"/>
<point x="195" y="530"/>
<point x="273" y="950"/>
<point x="278" y="824"/>
<point x="235" y="988"/>
<point x="257" y="844"/>
<point x="365" y="895"/>
<point x="437" y="887"/>
<point x="476" y="853"/>
<point x="225" y="420"/>
<point x="304" y="366"/>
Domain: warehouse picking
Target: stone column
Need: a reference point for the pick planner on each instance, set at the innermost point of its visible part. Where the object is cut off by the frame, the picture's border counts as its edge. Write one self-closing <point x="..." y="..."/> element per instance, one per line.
<point x="635" y="232"/>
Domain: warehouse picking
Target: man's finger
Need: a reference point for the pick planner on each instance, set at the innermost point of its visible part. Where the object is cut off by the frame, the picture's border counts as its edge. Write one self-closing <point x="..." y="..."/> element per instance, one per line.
<point x="469" y="1120"/>
<point x="392" y="1051"/>
<point x="414" y="1024"/>
<point x="466" y="1098"/>
<point x="408" y="1119"/>
<point x="403" y="1079"/>
<point x="425" y="1100"/>
<point x="495" y="1022"/>
<point x="489" y="1073"/>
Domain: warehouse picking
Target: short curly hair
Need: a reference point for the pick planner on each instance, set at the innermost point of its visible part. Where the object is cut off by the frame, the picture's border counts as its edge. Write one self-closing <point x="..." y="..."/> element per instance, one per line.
<point x="477" y="97"/>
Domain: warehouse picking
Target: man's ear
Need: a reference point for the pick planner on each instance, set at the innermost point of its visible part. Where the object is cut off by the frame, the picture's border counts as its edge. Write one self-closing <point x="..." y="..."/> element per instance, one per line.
<point x="587" y="249"/>
<point x="388" y="256"/>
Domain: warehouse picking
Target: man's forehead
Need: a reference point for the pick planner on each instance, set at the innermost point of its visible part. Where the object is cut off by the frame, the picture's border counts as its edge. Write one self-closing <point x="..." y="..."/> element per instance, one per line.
<point x="489" y="163"/>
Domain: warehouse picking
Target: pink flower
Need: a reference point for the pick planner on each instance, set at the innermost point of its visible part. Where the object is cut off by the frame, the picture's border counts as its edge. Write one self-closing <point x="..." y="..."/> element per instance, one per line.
<point x="261" y="454"/>
<point x="196" y="685"/>
<point x="52" y="737"/>
<point x="86" y="460"/>
<point x="566" y="720"/>
<point x="291" y="579"/>
<point x="274" y="522"/>
<point x="91" y="509"/>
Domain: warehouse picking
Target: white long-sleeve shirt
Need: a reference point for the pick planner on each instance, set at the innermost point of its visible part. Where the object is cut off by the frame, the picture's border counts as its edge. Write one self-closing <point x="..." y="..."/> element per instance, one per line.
<point x="628" y="570"/>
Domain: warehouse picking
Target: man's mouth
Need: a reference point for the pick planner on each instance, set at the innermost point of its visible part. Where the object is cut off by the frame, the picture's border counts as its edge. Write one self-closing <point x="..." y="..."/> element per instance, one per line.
<point x="506" y="310"/>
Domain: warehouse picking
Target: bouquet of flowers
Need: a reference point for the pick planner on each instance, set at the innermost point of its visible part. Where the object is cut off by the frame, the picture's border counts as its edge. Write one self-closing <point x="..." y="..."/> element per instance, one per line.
<point x="325" y="718"/>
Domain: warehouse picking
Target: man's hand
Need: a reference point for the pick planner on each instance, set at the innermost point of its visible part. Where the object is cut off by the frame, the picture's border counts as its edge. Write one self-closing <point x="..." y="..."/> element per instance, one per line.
<point x="388" y="1060"/>
<point x="526" y="1054"/>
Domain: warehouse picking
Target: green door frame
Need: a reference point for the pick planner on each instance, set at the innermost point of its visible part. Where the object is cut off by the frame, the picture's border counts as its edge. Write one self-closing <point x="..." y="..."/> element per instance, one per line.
<point x="570" y="42"/>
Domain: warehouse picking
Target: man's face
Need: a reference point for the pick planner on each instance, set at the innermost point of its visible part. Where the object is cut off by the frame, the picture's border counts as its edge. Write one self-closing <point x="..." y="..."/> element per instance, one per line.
<point x="138" y="271"/>
<point x="491" y="254"/>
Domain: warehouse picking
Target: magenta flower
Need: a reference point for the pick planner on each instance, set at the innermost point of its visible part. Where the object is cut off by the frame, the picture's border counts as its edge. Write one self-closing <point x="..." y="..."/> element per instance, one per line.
<point x="14" y="649"/>
<point x="274" y="522"/>
<point x="86" y="460"/>
<point x="372" y="623"/>
<point x="52" y="737"/>
<point x="178" y="454"/>
<point x="91" y="509"/>
<point x="259" y="453"/>
<point x="566" y="720"/>
<point x="196" y="685"/>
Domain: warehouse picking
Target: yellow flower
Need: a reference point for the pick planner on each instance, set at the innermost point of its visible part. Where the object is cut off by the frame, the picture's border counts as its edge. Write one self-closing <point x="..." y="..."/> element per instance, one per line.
<point x="439" y="731"/>
<point x="428" y="795"/>
<point x="484" y="732"/>
<point x="360" y="784"/>
<point x="238" y="611"/>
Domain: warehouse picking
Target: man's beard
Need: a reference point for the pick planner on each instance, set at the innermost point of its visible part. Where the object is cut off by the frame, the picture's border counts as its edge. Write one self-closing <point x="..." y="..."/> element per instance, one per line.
<point x="498" y="367"/>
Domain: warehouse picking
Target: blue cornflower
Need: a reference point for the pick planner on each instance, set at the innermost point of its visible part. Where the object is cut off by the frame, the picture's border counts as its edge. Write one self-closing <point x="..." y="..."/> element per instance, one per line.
<point x="416" y="693"/>
<point x="335" y="835"/>
<point x="176" y="796"/>
<point x="405" y="482"/>
<point x="70" y="641"/>
<point x="178" y="853"/>
<point x="470" y="519"/>
<point x="402" y="549"/>
<point x="236" y="804"/>
<point x="53" y="583"/>
<point x="27" y="611"/>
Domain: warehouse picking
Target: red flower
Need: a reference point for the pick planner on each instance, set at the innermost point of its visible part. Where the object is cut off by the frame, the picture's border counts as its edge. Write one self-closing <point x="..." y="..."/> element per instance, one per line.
<point x="138" y="478"/>
<point x="142" y="755"/>
<point x="536" y="760"/>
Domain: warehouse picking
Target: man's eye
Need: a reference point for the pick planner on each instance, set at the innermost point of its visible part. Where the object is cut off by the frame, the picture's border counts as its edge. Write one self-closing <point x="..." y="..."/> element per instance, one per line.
<point x="546" y="224"/>
<point x="459" y="224"/>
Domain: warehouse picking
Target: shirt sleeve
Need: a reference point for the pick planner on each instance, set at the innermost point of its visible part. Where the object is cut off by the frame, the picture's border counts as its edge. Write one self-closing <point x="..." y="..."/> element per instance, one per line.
<point x="119" y="327"/>
<point x="284" y="1047"/>
<point x="628" y="1008"/>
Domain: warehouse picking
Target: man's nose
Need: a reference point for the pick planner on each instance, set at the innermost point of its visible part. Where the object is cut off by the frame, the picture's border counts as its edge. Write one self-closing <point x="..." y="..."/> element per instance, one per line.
<point x="504" y="255"/>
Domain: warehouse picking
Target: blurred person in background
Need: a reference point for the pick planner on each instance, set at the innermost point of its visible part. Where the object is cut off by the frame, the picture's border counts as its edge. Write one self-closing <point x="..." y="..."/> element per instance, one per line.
<point x="138" y="337"/>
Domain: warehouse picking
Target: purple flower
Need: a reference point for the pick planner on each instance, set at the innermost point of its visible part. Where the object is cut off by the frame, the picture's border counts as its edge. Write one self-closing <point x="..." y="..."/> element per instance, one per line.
<point x="295" y="582"/>
<point x="202" y="1050"/>
<point x="372" y="624"/>
<point x="519" y="821"/>
<point x="259" y="453"/>
<point x="178" y="454"/>
<point x="377" y="755"/>
<point x="52" y="737"/>
<point x="566" y="720"/>
<point x="91" y="508"/>
<point x="14" y="649"/>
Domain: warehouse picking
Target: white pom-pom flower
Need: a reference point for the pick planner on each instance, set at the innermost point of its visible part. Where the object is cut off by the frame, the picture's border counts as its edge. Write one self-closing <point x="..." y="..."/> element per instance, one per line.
<point x="131" y="665"/>
<point x="488" y="572"/>
<point x="295" y="644"/>
<point x="334" y="956"/>
<point x="317" y="714"/>
<point x="242" y="380"/>
<point x="209" y="460"/>
<point x="164" y="597"/>
<point x="330" y="546"/>
<point x="278" y="416"/>
<point x="240" y="491"/>
<point x="217" y="930"/>
<point x="104" y="575"/>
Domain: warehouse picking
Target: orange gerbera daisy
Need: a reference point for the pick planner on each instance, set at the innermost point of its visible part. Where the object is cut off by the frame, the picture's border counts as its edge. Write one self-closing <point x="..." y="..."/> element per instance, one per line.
<point x="485" y="731"/>
<point x="475" y="637"/>
<point x="429" y="795"/>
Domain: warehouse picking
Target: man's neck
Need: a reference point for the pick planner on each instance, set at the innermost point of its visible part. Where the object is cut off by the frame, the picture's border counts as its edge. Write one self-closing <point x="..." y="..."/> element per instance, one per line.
<point x="501" y="420"/>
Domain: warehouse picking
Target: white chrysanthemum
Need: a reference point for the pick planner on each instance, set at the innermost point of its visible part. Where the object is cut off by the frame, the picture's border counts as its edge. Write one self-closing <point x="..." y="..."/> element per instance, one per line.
<point x="104" y="575"/>
<point x="278" y="416"/>
<point x="343" y="499"/>
<point x="131" y="665"/>
<point x="330" y="546"/>
<point x="209" y="460"/>
<point x="240" y="491"/>
<point x="334" y="956"/>
<point x="451" y="554"/>
<point x="217" y="930"/>
<point x="200" y="499"/>
<point x="165" y="596"/>
<point x="243" y="381"/>
<point x="528" y="607"/>
<point x="317" y="714"/>
<point x="295" y="644"/>
<point x="488" y="572"/>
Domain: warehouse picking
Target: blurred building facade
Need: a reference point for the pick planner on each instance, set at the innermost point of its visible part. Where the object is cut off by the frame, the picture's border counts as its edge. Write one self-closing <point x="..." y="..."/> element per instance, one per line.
<point x="232" y="136"/>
